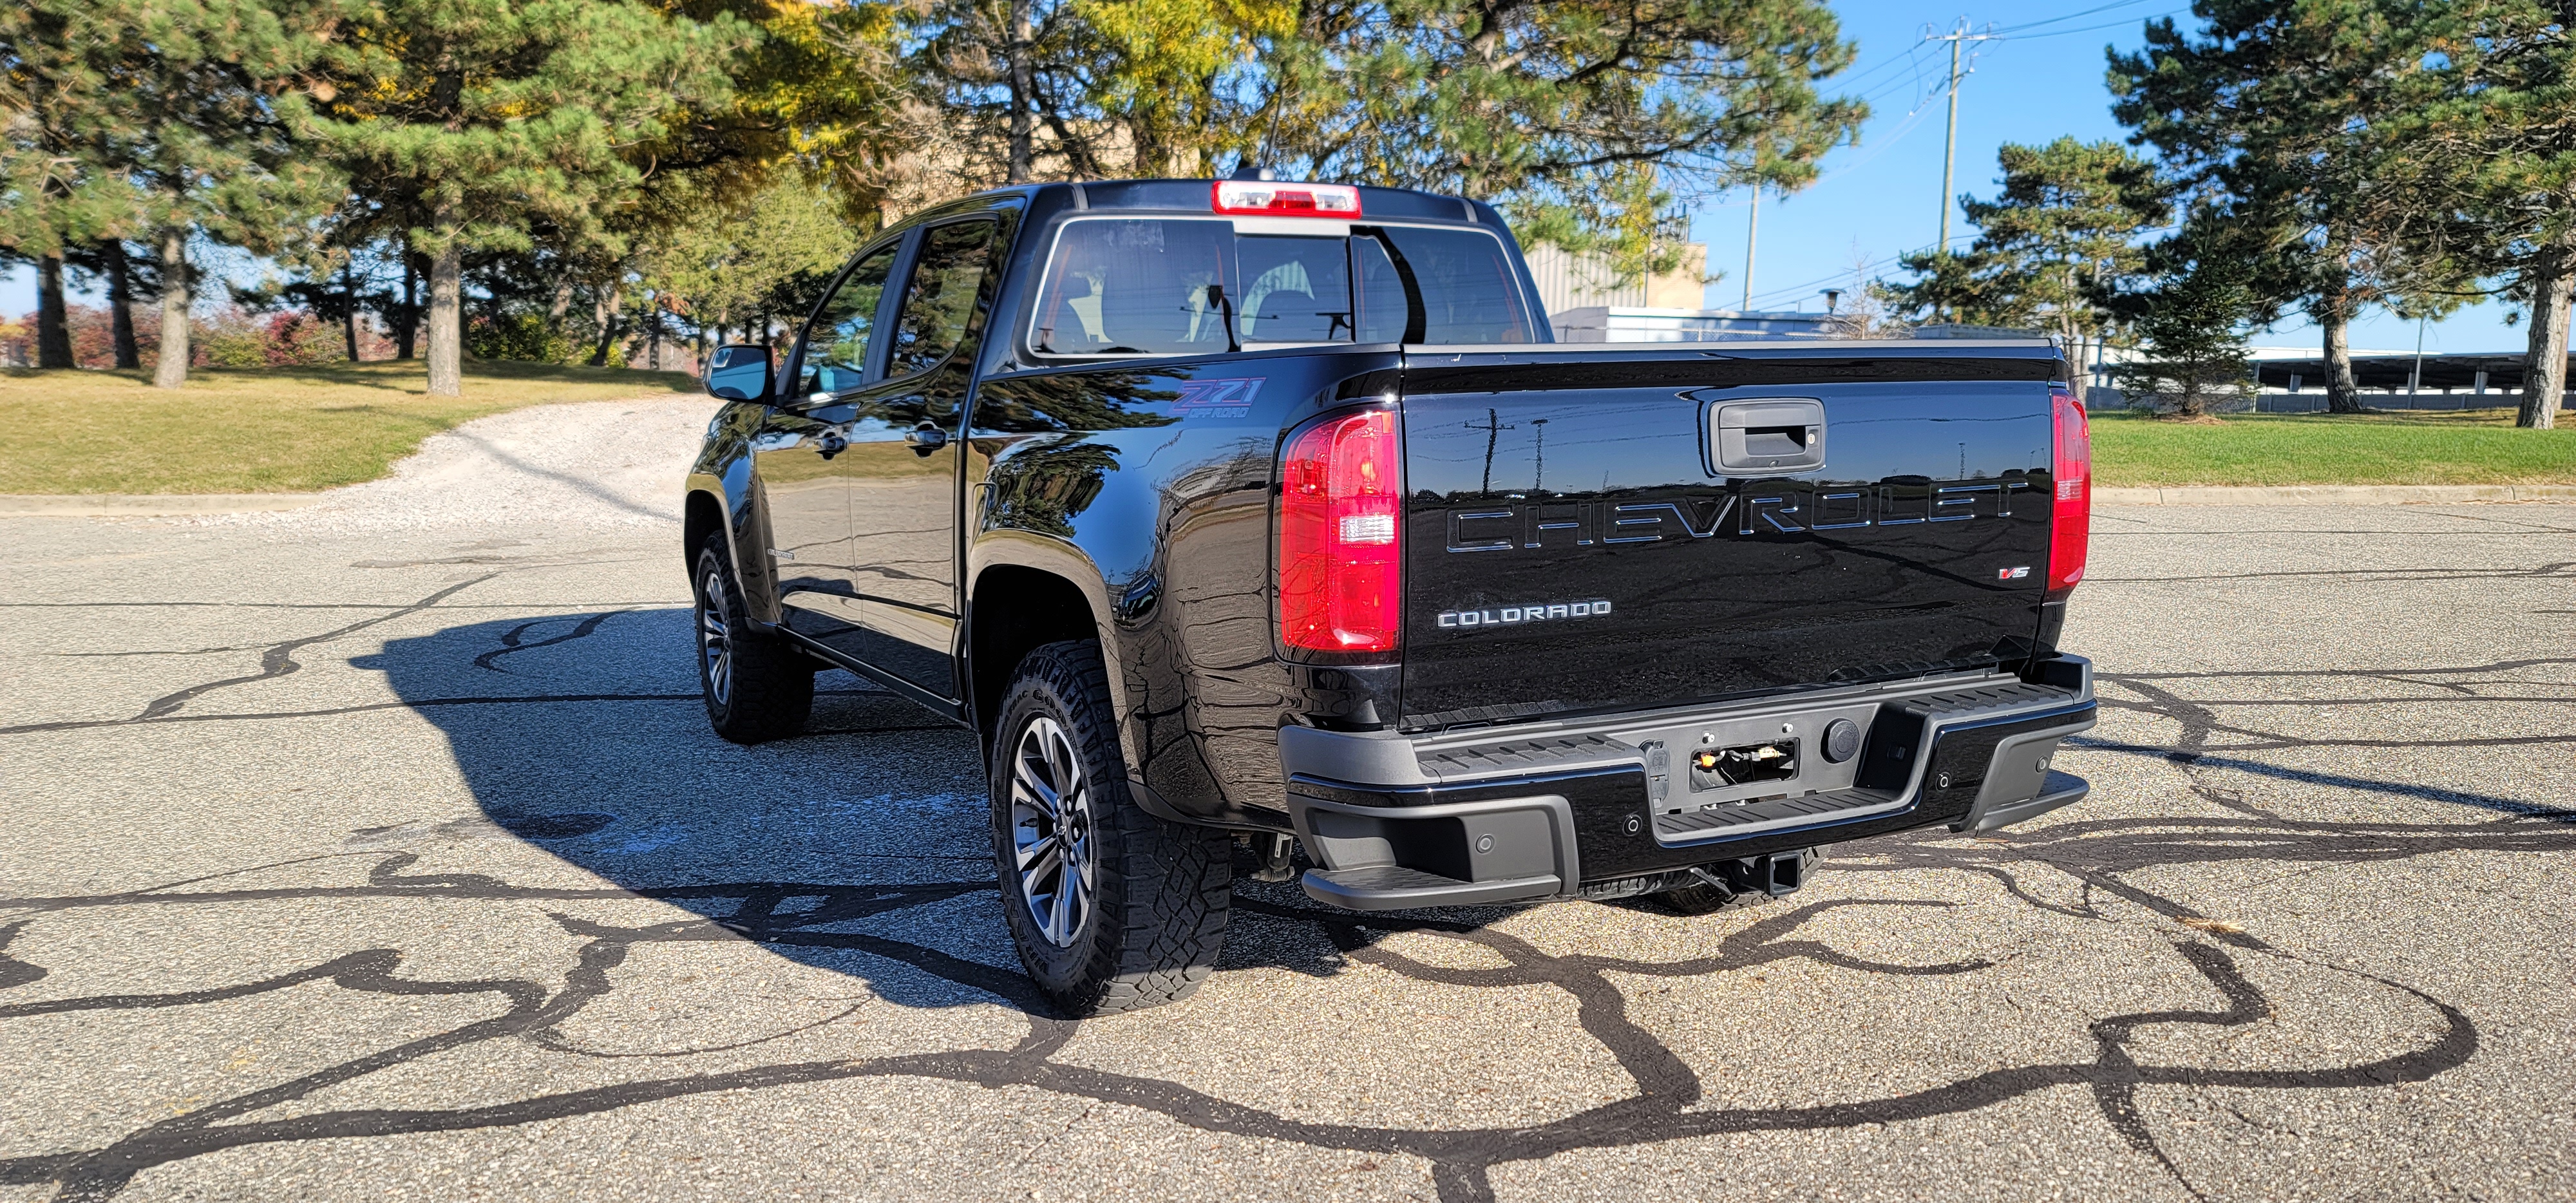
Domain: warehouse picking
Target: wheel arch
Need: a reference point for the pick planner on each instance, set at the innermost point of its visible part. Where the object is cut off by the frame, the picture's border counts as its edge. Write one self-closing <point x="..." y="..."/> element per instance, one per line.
<point x="702" y="515"/>
<point x="713" y="503"/>
<point x="1016" y="608"/>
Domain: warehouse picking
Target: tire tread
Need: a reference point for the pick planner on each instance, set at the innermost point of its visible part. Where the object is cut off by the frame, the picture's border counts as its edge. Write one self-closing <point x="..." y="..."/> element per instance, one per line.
<point x="773" y="683"/>
<point x="1169" y="887"/>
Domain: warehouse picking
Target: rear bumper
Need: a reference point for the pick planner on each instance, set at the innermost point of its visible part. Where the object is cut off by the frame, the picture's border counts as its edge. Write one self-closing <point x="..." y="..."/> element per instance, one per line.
<point x="1605" y="806"/>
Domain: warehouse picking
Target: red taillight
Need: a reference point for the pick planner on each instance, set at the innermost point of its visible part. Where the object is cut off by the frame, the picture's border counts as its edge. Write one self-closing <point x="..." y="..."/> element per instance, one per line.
<point x="2071" y="519"/>
<point x="1341" y="535"/>
<point x="1286" y="200"/>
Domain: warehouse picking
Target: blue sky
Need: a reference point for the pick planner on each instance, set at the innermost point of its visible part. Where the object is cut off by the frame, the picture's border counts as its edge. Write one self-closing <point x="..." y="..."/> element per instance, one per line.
<point x="2043" y="78"/>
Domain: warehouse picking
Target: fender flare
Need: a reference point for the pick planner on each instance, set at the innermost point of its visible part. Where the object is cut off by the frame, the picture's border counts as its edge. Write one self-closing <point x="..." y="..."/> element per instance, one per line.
<point x="734" y="514"/>
<point x="1067" y="562"/>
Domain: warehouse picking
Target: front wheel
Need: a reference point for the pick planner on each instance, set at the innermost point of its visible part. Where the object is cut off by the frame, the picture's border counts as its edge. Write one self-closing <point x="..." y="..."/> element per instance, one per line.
<point x="756" y="687"/>
<point x="1112" y="908"/>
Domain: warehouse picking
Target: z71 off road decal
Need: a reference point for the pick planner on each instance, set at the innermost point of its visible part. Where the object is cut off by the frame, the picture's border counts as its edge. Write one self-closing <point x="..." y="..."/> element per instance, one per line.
<point x="1228" y="398"/>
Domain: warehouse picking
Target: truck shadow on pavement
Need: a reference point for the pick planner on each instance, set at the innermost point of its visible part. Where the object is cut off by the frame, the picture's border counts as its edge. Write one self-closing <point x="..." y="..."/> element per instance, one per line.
<point x="860" y="848"/>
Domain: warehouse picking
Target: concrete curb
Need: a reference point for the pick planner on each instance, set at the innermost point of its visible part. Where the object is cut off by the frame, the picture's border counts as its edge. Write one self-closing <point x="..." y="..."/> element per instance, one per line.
<point x="134" y="505"/>
<point x="2334" y="495"/>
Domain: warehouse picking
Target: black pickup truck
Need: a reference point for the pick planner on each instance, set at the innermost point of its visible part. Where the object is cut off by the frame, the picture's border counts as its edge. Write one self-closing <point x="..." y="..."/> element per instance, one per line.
<point x="1239" y="511"/>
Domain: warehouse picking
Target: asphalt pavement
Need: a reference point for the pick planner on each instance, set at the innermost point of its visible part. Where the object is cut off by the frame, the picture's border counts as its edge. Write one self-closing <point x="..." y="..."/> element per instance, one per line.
<point x="380" y="850"/>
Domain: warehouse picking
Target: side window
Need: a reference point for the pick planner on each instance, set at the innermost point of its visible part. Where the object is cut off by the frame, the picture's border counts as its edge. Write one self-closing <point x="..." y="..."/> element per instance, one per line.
<point x="836" y="352"/>
<point x="940" y="298"/>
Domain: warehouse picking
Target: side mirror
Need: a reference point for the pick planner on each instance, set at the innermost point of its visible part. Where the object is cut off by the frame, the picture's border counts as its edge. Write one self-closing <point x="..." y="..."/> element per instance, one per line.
<point x="739" y="373"/>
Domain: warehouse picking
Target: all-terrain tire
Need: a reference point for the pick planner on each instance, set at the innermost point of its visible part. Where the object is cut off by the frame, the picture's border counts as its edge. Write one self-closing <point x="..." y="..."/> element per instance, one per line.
<point x="756" y="685"/>
<point x="1701" y="898"/>
<point x="1132" y="912"/>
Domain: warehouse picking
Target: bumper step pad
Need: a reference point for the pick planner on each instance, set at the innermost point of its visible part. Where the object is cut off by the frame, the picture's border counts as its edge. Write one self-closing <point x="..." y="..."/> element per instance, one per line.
<point x="1551" y="754"/>
<point x="1395" y="888"/>
<point x="1694" y="825"/>
<point x="2062" y="789"/>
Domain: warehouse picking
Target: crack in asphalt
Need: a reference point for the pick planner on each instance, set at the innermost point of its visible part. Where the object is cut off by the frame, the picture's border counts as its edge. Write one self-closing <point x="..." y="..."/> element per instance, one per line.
<point x="513" y="640"/>
<point x="513" y="699"/>
<point x="276" y="660"/>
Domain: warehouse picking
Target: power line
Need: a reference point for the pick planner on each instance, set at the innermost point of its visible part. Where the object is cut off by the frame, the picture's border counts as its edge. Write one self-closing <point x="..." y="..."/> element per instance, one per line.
<point x="2010" y="30"/>
<point x="1909" y="57"/>
<point x="1912" y="122"/>
<point x="1805" y="288"/>
<point x="2059" y="33"/>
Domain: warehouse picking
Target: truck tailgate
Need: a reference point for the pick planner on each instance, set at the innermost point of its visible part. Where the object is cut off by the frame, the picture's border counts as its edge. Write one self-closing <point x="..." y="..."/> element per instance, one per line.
<point x="1596" y="529"/>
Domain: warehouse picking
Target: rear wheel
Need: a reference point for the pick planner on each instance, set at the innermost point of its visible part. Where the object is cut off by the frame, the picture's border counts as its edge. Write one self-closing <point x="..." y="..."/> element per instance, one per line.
<point x="1112" y="908"/>
<point x="756" y="686"/>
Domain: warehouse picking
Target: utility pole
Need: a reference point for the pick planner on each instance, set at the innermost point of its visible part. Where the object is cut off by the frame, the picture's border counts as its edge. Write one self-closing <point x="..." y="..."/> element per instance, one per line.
<point x="1950" y="143"/>
<point x="1493" y="428"/>
<point x="1752" y="229"/>
<point x="1949" y="150"/>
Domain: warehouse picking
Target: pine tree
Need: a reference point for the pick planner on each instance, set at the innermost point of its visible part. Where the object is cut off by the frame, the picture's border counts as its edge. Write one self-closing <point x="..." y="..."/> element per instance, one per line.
<point x="2053" y="244"/>
<point x="2284" y="111"/>
<point x="1587" y="120"/>
<point x="54" y="81"/>
<point x="478" y="122"/>
<point x="206" y="110"/>
<point x="2489" y="135"/>
<point x="168" y="120"/>
<point x="2193" y="323"/>
<point x="1587" y="113"/>
<point x="127" y="282"/>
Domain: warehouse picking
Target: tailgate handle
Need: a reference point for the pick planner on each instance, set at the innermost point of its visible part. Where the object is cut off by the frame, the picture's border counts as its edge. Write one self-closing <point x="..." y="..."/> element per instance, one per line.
<point x="1768" y="436"/>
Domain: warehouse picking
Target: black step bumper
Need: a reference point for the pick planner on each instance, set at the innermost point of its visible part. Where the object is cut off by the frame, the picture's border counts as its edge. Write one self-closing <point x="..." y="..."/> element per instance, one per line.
<point x="1596" y="806"/>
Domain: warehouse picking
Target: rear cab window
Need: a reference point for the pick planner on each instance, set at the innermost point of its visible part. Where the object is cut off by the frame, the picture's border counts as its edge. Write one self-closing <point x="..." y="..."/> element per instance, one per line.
<point x="1196" y="285"/>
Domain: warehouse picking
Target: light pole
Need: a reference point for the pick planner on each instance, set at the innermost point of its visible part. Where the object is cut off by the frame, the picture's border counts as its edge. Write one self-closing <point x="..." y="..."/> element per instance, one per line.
<point x="2415" y="386"/>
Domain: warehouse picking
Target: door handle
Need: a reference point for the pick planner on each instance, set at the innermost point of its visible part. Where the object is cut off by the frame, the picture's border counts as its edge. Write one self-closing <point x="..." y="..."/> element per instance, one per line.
<point x="830" y="443"/>
<point x="925" y="438"/>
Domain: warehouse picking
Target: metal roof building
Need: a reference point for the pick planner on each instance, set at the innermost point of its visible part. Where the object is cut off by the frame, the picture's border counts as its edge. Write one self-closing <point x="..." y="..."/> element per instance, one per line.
<point x="2487" y="373"/>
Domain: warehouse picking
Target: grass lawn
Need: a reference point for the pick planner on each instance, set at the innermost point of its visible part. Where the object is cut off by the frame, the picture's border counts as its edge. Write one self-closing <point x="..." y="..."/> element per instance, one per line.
<point x="262" y="430"/>
<point x="2474" y="447"/>
<point x="280" y="430"/>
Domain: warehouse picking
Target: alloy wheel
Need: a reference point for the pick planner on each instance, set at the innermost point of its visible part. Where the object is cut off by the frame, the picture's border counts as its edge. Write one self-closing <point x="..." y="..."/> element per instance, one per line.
<point x="1051" y="831"/>
<point x="715" y="639"/>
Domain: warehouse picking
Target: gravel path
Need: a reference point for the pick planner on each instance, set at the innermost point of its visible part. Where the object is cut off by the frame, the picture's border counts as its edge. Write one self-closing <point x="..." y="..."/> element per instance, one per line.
<point x="381" y="851"/>
<point x="602" y="465"/>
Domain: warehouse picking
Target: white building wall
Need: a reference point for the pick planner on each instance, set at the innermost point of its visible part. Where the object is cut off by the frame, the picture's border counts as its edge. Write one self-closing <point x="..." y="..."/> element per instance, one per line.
<point x="1638" y="324"/>
<point x="1570" y="281"/>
